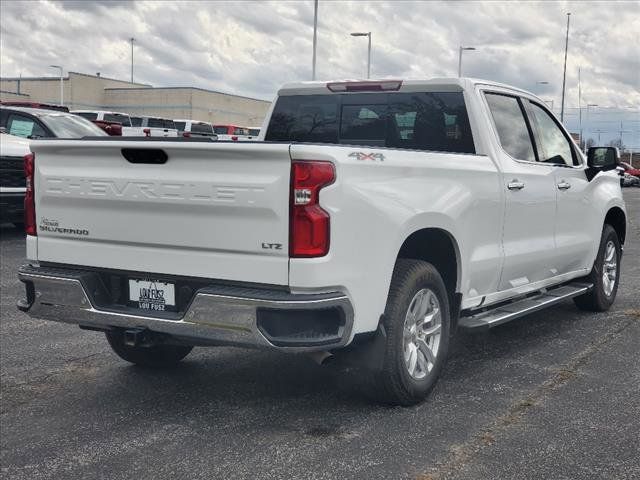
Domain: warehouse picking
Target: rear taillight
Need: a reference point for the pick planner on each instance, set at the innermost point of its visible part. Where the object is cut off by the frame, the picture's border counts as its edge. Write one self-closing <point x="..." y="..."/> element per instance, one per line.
<point x="234" y="138"/>
<point x="29" y="195"/>
<point x="308" y="222"/>
<point x="147" y="132"/>
<point x="186" y="134"/>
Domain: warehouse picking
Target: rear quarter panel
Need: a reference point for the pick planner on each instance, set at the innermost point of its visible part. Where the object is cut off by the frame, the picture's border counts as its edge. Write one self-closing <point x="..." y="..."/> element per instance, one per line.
<point x="376" y="204"/>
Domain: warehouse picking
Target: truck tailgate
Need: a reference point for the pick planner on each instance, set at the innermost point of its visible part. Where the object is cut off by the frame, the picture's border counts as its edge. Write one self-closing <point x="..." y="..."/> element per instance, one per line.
<point x="212" y="210"/>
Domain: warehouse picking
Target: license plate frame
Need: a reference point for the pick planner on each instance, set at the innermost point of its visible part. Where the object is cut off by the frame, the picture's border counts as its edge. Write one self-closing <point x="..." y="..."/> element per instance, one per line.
<point x="151" y="295"/>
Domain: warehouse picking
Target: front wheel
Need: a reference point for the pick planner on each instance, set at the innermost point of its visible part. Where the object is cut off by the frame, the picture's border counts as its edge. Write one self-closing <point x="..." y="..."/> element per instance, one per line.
<point x="416" y="321"/>
<point x="155" y="356"/>
<point x="604" y="275"/>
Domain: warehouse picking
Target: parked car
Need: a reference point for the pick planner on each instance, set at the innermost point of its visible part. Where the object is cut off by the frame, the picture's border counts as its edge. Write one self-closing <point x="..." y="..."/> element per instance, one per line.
<point x="42" y="106"/>
<point x="629" y="170"/>
<point x="377" y="219"/>
<point x="38" y="123"/>
<point x="194" y="128"/>
<point x="628" y="180"/>
<point x="12" y="180"/>
<point x="153" y="127"/>
<point x="113" y="123"/>
<point x="231" y="132"/>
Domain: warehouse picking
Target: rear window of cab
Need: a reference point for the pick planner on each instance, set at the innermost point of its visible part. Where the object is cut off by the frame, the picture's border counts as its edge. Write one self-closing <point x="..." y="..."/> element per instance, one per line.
<point x="435" y="121"/>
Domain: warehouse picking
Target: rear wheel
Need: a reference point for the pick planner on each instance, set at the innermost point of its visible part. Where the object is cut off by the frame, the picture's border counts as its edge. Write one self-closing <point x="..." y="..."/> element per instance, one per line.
<point x="155" y="356"/>
<point x="604" y="275"/>
<point x="416" y="322"/>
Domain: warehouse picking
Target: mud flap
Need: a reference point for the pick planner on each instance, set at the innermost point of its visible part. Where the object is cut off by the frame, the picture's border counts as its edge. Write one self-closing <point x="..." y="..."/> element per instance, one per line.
<point x="368" y="353"/>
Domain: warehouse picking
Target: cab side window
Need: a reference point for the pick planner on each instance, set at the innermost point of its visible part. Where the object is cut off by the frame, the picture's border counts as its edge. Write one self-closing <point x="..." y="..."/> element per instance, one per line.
<point x="553" y="145"/>
<point x="511" y="126"/>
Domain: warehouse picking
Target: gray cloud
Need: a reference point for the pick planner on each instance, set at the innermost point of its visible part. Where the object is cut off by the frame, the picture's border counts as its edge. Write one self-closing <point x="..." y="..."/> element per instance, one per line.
<point x="250" y="48"/>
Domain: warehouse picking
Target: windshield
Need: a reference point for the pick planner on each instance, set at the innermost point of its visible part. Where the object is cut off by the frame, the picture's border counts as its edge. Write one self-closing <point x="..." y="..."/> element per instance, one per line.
<point x="71" y="126"/>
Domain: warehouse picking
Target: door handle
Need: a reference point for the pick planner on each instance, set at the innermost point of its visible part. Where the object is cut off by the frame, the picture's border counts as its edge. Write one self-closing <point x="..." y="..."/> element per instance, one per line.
<point x="564" y="185"/>
<point x="515" y="185"/>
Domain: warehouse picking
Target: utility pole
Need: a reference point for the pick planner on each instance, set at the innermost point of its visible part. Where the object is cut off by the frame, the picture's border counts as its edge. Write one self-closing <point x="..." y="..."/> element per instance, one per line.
<point x="621" y="132"/>
<point x="564" y="75"/>
<point x="315" y="38"/>
<point x="599" y="132"/>
<point x="132" y="40"/>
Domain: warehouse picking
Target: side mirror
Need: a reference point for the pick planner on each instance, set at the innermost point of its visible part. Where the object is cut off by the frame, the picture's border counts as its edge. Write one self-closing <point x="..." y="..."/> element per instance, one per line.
<point x="603" y="158"/>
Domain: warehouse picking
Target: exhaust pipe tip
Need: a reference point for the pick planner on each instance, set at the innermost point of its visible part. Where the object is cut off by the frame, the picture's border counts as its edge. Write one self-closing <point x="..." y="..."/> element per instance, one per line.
<point x="321" y="358"/>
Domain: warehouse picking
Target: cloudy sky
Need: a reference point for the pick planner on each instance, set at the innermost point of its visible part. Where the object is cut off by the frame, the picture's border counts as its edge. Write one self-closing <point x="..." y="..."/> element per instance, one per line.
<point x="250" y="48"/>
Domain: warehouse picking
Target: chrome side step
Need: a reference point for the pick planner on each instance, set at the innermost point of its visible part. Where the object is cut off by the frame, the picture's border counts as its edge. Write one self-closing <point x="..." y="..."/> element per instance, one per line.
<point x="506" y="312"/>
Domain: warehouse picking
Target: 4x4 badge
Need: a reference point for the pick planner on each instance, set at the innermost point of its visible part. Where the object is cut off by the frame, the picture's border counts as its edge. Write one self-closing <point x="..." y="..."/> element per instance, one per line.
<point x="367" y="156"/>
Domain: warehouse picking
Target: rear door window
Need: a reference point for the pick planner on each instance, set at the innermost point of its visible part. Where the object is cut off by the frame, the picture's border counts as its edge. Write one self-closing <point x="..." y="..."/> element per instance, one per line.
<point x="436" y="121"/>
<point x="136" y="121"/>
<point x="180" y="126"/>
<point x="168" y="123"/>
<point x="513" y="131"/>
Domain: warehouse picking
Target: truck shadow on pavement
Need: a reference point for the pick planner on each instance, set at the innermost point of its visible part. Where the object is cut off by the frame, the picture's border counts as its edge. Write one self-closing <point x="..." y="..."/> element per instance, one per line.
<point x="219" y="378"/>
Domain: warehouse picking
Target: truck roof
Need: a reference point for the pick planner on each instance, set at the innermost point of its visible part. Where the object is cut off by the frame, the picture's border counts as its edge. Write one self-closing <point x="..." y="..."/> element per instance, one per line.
<point x="391" y="84"/>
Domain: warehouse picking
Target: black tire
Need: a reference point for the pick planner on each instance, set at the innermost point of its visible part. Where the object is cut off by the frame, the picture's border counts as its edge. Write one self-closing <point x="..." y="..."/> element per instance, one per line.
<point x="157" y="356"/>
<point x="597" y="299"/>
<point x="393" y="384"/>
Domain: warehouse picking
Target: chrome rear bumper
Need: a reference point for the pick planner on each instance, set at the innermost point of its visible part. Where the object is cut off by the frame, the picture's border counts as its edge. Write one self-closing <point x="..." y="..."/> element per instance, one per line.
<point x="220" y="315"/>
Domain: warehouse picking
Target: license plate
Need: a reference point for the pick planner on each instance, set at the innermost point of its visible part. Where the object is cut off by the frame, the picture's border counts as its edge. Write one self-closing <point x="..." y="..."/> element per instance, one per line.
<point x="152" y="295"/>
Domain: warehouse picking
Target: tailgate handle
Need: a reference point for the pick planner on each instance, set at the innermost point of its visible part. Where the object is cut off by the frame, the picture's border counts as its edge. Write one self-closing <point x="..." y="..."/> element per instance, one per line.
<point x="153" y="156"/>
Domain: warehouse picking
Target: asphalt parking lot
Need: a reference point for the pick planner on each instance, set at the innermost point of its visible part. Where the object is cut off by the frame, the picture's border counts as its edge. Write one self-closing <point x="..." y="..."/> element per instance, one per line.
<point x="555" y="395"/>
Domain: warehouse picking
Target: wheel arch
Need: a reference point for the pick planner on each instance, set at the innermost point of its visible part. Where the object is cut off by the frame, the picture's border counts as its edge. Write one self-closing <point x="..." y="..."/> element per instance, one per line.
<point x="618" y="220"/>
<point x="438" y="247"/>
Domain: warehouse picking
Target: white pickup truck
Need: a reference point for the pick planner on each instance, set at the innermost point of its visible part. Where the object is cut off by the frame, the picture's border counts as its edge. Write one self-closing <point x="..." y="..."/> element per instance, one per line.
<point x="374" y="220"/>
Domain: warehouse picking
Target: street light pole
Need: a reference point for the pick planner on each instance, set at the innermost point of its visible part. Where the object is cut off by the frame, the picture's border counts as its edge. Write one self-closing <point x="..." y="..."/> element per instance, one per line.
<point x="365" y="34"/>
<point x="131" y="40"/>
<point x="460" y="58"/>
<point x="315" y="38"/>
<point x="580" y="101"/>
<point x="564" y="75"/>
<point x="369" y="58"/>
<point x="59" y="67"/>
